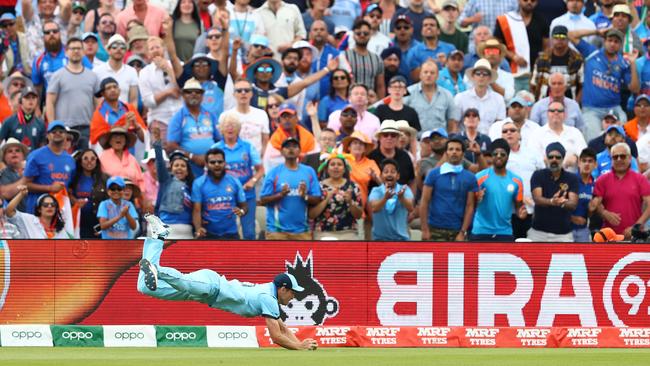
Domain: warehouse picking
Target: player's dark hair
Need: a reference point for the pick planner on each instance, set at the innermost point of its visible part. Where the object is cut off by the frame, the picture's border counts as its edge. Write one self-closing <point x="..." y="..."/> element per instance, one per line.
<point x="456" y="140"/>
<point x="392" y="162"/>
<point x="588" y="153"/>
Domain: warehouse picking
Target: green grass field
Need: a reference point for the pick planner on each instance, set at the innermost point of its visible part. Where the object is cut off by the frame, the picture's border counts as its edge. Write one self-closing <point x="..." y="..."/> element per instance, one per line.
<point x="329" y="357"/>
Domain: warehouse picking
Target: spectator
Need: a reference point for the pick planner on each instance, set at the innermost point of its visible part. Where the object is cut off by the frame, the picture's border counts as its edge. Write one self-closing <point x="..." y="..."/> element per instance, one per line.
<point x="449" y="31"/>
<point x="415" y="12"/>
<point x="323" y="51"/>
<point x="113" y="112"/>
<point x="174" y="202"/>
<point x="557" y="92"/>
<point x="211" y="74"/>
<point x="344" y="12"/>
<point x="489" y="103"/>
<point x="193" y="129"/>
<point x="363" y="171"/>
<point x="446" y="208"/>
<point x="133" y="194"/>
<point x="272" y="111"/>
<point x="598" y="143"/>
<point x="435" y="106"/>
<point x="150" y="175"/>
<point x="348" y="121"/>
<point x="218" y="200"/>
<point x="522" y="161"/>
<point x="91" y="49"/>
<point x="243" y="162"/>
<point x="431" y="47"/>
<point x="288" y="127"/>
<point x="312" y="92"/>
<point x="37" y="30"/>
<point x="105" y="30"/>
<point x="13" y="154"/>
<point x="137" y="37"/>
<point x="187" y="28"/>
<point x="516" y="115"/>
<point x="525" y="34"/>
<point x="613" y="136"/>
<point x="244" y="21"/>
<point x="387" y="137"/>
<point x="484" y="12"/>
<point x="395" y="108"/>
<point x="160" y="93"/>
<point x="285" y="21"/>
<point x="404" y="40"/>
<point x="643" y="27"/>
<point x="47" y="221"/>
<point x="287" y="192"/>
<point x="117" y="216"/>
<point x="24" y="125"/>
<point x="556" y="130"/>
<point x="49" y="169"/>
<point x="621" y="20"/>
<point x="580" y="217"/>
<point x="480" y="34"/>
<point x="555" y="192"/>
<point x="638" y="127"/>
<point x="317" y="10"/>
<point x="91" y="22"/>
<point x="495" y="52"/>
<point x="622" y="196"/>
<point x="366" y="66"/>
<point x="602" y="91"/>
<point x="88" y="184"/>
<point x="116" y="158"/>
<point x="70" y="93"/>
<point x="559" y="58"/>
<point x="450" y="77"/>
<point x="153" y="17"/>
<point x="126" y="76"/>
<point x="75" y="24"/>
<point x="327" y="143"/>
<point x="408" y="138"/>
<point x="391" y="203"/>
<point x="48" y="59"/>
<point x="340" y="206"/>
<point x="337" y="96"/>
<point x="476" y="142"/>
<point x="602" y="18"/>
<point x="574" y="19"/>
<point x="290" y="60"/>
<point x="7" y="229"/>
<point x="392" y="57"/>
<point x="498" y="189"/>
<point x="254" y="121"/>
<point x="367" y="122"/>
<point x="17" y="57"/>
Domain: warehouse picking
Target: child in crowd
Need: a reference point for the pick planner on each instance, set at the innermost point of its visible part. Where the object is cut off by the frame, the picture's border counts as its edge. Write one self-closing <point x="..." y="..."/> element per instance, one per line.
<point x="391" y="203"/>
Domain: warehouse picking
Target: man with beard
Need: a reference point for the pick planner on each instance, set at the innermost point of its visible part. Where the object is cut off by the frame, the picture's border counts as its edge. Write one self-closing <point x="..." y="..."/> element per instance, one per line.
<point x="367" y="67"/>
<point x="322" y="51"/>
<point x="391" y="203"/>
<point x="288" y="190"/>
<point x="622" y="196"/>
<point x="290" y="59"/>
<point x="621" y="19"/>
<point x="555" y="192"/>
<point x="24" y="125"/>
<point x="498" y="189"/>
<point x="312" y="92"/>
<point x="403" y="28"/>
<point x="450" y="77"/>
<point x="35" y="22"/>
<point x="70" y="94"/>
<point x="610" y="72"/>
<point x="392" y="57"/>
<point x="126" y="76"/>
<point x="105" y="30"/>
<point x="50" y="168"/>
<point x="367" y="122"/>
<point x="218" y="200"/>
<point x="193" y="129"/>
<point x="448" y="197"/>
<point x="288" y="127"/>
<point x="430" y="48"/>
<point x="348" y="119"/>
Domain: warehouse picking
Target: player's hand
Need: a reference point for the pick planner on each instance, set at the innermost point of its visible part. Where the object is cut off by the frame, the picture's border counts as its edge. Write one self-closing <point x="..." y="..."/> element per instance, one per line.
<point x="302" y="188"/>
<point x="309" y="344"/>
<point x="333" y="63"/>
<point x="22" y="189"/>
<point x="285" y="190"/>
<point x="200" y="233"/>
<point x="124" y="211"/>
<point x="238" y="211"/>
<point x="479" y="195"/>
<point x="56" y="187"/>
<point x="522" y="213"/>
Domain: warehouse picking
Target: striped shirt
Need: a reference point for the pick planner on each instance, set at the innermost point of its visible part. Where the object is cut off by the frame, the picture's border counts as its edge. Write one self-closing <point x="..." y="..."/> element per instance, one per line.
<point x="365" y="68"/>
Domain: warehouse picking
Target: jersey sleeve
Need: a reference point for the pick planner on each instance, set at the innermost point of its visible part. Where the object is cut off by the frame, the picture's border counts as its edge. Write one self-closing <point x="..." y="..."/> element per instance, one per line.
<point x="267" y="186"/>
<point x="197" y="196"/>
<point x="174" y="129"/>
<point x="269" y="306"/>
<point x="102" y="212"/>
<point x="31" y="167"/>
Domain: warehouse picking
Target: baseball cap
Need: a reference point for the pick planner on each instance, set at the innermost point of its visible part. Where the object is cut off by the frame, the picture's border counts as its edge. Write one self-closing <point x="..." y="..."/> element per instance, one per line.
<point x="426" y="135"/>
<point x="259" y="40"/>
<point x="615" y="33"/>
<point x="518" y="100"/>
<point x="341" y="29"/>
<point x="642" y="97"/>
<point x="290" y="140"/>
<point x="135" y="58"/>
<point x="104" y="84"/>
<point x="397" y="79"/>
<point x="456" y="52"/>
<point x="452" y="3"/>
<point x="115" y="180"/>
<point x="192" y="84"/>
<point x="611" y="114"/>
<point x="87" y="35"/>
<point x="116" y="38"/>
<point x="403" y="18"/>
<point x="440" y="132"/>
<point x="559" y="30"/>
<point x="287" y="108"/>
<point x="373" y="7"/>
<point x="287" y="280"/>
<point x="79" y="5"/>
<point x="7" y="16"/>
<point x="607" y="234"/>
<point x="55" y="124"/>
<point x="618" y="129"/>
<point x="27" y="91"/>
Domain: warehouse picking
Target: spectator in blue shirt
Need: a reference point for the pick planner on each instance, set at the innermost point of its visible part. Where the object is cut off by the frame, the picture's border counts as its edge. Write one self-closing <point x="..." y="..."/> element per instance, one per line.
<point x="390" y="203"/>
<point x="243" y="162"/>
<point x="431" y="47"/>
<point x="117" y="216"/>
<point x="609" y="71"/>
<point x="448" y="197"/>
<point x="404" y="40"/>
<point x="613" y="135"/>
<point x="337" y="96"/>
<point x="218" y="200"/>
<point x="451" y="77"/>
<point x="580" y="217"/>
<point x="287" y="191"/>
<point x="193" y="129"/>
<point x="323" y="52"/>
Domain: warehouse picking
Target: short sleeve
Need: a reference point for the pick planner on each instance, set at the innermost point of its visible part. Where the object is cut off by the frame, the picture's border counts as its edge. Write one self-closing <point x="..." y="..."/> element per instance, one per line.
<point x="37" y="75"/>
<point x="197" y="196"/>
<point x="174" y="129"/>
<point x="408" y="194"/>
<point x="473" y="183"/>
<point x="375" y="194"/>
<point x="599" y="187"/>
<point x="269" y="306"/>
<point x="102" y="211"/>
<point x="585" y="48"/>
<point x="31" y="168"/>
<point x="431" y="178"/>
<point x="535" y="180"/>
<point x="574" y="185"/>
<point x="54" y="85"/>
<point x="644" y="185"/>
<point x="267" y="186"/>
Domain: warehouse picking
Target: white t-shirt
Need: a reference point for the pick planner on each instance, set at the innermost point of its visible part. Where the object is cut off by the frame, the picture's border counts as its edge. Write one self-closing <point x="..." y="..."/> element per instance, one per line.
<point x="253" y="125"/>
<point x="126" y="77"/>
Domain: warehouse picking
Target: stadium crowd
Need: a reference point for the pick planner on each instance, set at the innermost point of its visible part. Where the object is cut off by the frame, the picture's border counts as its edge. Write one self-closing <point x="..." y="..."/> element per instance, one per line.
<point x="446" y="120"/>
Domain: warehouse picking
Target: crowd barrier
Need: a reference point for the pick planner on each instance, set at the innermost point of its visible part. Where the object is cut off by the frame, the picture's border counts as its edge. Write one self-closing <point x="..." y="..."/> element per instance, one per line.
<point x="369" y="284"/>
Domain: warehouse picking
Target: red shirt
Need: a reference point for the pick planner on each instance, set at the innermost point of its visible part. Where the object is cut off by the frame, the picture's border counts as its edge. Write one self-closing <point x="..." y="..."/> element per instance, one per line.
<point x="622" y="196"/>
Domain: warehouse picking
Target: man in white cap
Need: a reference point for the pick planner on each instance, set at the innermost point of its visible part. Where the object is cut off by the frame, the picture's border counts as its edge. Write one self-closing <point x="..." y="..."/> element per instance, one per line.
<point x="126" y="76"/>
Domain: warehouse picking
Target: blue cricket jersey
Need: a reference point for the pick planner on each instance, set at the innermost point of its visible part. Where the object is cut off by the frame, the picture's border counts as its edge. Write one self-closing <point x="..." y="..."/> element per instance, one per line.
<point x="217" y="201"/>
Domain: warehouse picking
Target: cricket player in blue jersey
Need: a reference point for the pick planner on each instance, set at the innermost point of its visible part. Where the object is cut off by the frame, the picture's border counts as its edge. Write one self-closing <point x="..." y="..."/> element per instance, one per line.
<point x="209" y="287"/>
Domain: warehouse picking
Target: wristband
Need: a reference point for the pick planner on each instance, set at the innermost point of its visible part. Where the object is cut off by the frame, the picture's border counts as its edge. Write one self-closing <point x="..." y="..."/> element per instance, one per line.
<point x="327" y="69"/>
<point x="191" y="156"/>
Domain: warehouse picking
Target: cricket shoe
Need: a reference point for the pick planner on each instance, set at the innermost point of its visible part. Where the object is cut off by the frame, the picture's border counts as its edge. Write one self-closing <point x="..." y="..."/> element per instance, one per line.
<point x="150" y="274"/>
<point x="159" y="229"/>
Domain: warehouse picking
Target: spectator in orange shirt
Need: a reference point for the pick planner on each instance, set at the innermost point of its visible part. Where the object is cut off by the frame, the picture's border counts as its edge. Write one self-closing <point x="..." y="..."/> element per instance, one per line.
<point x="637" y="127"/>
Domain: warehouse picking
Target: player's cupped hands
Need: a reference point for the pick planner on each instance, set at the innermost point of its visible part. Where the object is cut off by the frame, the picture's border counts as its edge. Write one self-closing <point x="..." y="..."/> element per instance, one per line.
<point x="309" y="344"/>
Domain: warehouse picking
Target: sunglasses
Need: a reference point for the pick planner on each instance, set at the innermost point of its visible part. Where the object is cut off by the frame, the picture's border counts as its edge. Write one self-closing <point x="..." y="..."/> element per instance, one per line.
<point x="559" y="36"/>
<point x="119" y="47"/>
<point x="554" y="157"/>
<point x="272" y="106"/>
<point x="201" y="63"/>
<point x="214" y="162"/>
<point x="115" y="188"/>
<point x="243" y="90"/>
<point x="193" y="92"/>
<point x="78" y="11"/>
<point x="482" y="73"/>
<point x="339" y="77"/>
<point x="50" y="31"/>
<point x="491" y="51"/>
<point x="258" y="46"/>
<point x="214" y="36"/>
<point x="509" y="130"/>
<point x="402" y="27"/>
<point x="7" y="24"/>
<point x="558" y="110"/>
<point x="267" y="69"/>
<point x="349" y="114"/>
<point x="499" y="154"/>
<point x="362" y="34"/>
<point x="619" y="157"/>
<point x="137" y="64"/>
<point x="48" y="204"/>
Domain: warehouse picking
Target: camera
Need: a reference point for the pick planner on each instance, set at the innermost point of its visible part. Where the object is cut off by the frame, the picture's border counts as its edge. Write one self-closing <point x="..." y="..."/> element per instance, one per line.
<point x="639" y="234"/>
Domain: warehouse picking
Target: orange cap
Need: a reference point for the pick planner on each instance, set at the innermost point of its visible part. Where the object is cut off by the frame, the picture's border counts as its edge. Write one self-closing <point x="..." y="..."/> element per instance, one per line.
<point x="607" y="234"/>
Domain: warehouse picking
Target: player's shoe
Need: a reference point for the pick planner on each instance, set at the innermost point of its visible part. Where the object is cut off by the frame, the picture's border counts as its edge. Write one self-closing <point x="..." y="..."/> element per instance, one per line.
<point x="150" y="274"/>
<point x="159" y="229"/>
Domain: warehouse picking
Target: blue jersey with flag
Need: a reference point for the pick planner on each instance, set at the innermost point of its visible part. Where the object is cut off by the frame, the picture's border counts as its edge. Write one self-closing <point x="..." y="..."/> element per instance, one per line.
<point x="46" y="167"/>
<point x="217" y="201"/>
<point x="240" y="161"/>
<point x="494" y="212"/>
<point x="603" y="79"/>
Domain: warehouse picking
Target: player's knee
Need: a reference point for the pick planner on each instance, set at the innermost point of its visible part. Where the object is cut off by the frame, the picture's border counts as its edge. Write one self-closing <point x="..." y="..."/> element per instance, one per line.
<point x="142" y="288"/>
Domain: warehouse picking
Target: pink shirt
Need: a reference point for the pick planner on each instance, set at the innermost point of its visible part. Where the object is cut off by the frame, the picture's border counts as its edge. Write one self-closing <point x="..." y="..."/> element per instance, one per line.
<point x="128" y="167"/>
<point x="367" y="123"/>
<point x="622" y="196"/>
<point x="153" y="20"/>
<point x="151" y="188"/>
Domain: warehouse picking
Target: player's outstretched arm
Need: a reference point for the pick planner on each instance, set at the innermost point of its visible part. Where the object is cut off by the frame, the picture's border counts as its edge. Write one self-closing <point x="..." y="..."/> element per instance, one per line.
<point x="281" y="335"/>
